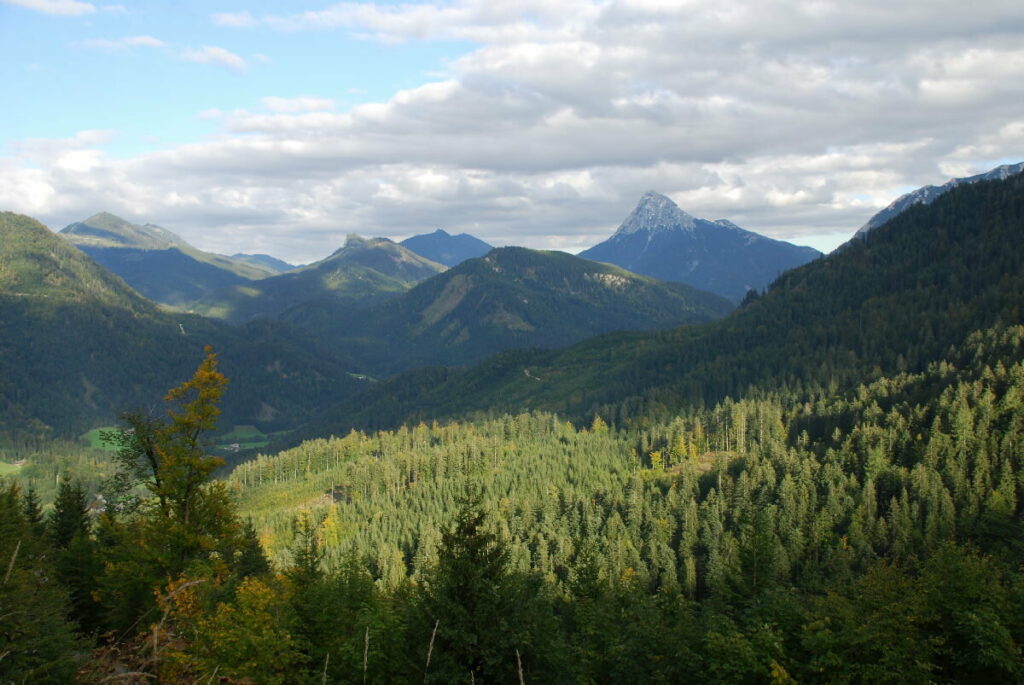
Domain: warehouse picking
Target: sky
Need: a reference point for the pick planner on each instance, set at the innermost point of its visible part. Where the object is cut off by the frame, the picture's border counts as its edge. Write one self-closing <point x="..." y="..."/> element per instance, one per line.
<point x="281" y="127"/>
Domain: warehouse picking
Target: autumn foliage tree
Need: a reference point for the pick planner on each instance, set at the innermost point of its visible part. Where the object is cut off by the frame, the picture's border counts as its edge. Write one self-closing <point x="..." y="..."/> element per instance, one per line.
<point x="185" y="523"/>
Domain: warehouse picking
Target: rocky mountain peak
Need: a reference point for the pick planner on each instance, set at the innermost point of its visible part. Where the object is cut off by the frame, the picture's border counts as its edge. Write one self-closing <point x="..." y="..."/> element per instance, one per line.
<point x="656" y="212"/>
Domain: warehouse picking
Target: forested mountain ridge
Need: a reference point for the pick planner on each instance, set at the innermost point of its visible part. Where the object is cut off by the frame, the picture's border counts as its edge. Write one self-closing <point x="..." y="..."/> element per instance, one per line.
<point x="927" y="194"/>
<point x="444" y="248"/>
<point x="893" y="301"/>
<point x="156" y="262"/>
<point x="107" y="230"/>
<point x="35" y="265"/>
<point x="78" y="346"/>
<point x="659" y="239"/>
<point x="265" y="261"/>
<point x="513" y="297"/>
<point x="363" y="271"/>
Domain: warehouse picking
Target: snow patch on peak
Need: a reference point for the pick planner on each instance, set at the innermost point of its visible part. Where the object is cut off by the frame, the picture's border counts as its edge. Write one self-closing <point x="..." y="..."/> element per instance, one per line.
<point x="725" y="223"/>
<point x="655" y="212"/>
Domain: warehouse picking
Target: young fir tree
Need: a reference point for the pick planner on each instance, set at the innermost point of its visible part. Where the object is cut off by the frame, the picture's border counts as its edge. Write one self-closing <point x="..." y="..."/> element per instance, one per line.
<point x="70" y="515"/>
<point x="76" y="561"/>
<point x="33" y="511"/>
<point x="37" y="643"/>
<point x="484" y="622"/>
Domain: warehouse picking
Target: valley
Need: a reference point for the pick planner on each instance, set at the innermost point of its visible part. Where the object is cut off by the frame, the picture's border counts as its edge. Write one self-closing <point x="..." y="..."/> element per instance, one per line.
<point x="447" y="342"/>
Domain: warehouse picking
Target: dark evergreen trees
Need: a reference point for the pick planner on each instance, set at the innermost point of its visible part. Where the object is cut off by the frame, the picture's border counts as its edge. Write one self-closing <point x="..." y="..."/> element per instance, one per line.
<point x="478" y="620"/>
<point x="37" y="642"/>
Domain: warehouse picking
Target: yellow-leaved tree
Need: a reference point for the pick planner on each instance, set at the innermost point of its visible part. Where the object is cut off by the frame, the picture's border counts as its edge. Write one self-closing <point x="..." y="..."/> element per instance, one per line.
<point x="168" y="518"/>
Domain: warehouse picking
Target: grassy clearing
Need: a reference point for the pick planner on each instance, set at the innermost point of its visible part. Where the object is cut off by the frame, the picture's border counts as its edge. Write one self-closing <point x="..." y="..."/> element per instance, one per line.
<point x="92" y="438"/>
<point x="247" y="438"/>
<point x="8" y="469"/>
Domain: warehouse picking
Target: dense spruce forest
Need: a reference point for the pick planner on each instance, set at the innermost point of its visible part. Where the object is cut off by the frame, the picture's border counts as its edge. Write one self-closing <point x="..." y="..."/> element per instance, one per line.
<point x="825" y="486"/>
<point x="873" y="536"/>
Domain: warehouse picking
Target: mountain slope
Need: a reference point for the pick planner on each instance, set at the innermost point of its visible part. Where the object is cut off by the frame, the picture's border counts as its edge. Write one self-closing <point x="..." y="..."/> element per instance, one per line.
<point x="513" y="297"/>
<point x="365" y="270"/>
<point x="447" y="249"/>
<point x="39" y="267"/>
<point x="924" y="281"/>
<point x="78" y="346"/>
<point x="927" y="194"/>
<point x="264" y="261"/>
<point x="156" y="262"/>
<point x="659" y="239"/>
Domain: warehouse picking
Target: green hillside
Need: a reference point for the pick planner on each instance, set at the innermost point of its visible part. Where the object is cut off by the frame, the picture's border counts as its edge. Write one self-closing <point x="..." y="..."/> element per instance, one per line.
<point x="105" y="231"/>
<point x="264" y="261"/>
<point x="156" y="262"/>
<point x="512" y="298"/>
<point x="39" y="268"/>
<point x="361" y="272"/>
<point x="78" y="347"/>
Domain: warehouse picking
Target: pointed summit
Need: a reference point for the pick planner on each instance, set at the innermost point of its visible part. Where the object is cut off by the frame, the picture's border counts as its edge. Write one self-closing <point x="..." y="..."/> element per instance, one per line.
<point x="108" y="230"/>
<point x="659" y="239"/>
<point x="656" y="212"/>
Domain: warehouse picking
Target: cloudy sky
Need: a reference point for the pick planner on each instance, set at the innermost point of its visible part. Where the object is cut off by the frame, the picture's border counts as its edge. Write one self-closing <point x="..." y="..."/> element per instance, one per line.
<point x="280" y="127"/>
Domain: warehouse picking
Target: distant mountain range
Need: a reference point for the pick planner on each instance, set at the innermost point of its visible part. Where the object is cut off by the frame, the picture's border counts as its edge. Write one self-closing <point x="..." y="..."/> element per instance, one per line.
<point x="79" y="346"/>
<point x="447" y="249"/>
<point x="157" y="263"/>
<point x="659" y="239"/>
<point x="264" y="261"/>
<point x="927" y="194"/>
<point x="363" y="271"/>
<point x="928" y="278"/>
<point x="512" y="297"/>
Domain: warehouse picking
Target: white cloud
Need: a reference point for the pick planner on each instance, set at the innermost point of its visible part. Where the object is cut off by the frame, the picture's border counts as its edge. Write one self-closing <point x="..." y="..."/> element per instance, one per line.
<point x="297" y="104"/>
<point x="68" y="8"/>
<point x="473" y="20"/>
<point x="236" y="20"/>
<point x="117" y="44"/>
<point x="145" y="41"/>
<point x="209" y="54"/>
<point x="790" y="118"/>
